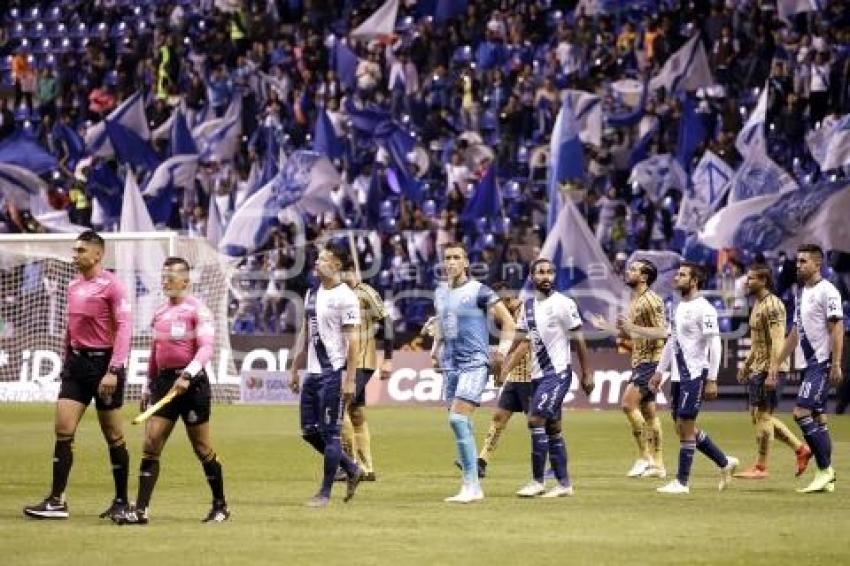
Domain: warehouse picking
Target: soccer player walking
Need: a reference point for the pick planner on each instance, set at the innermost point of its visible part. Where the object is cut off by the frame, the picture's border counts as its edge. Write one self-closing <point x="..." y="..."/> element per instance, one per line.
<point x="645" y="330"/>
<point x="762" y="369"/>
<point x="183" y="343"/>
<point x="694" y="348"/>
<point x="548" y="325"/>
<point x="328" y="343"/>
<point x="97" y="344"/>
<point x="462" y="306"/>
<point x="356" y="438"/>
<point x="819" y="330"/>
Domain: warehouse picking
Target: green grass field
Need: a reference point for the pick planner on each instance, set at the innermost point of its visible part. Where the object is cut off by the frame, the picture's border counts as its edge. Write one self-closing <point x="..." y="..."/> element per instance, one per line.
<point x="401" y="519"/>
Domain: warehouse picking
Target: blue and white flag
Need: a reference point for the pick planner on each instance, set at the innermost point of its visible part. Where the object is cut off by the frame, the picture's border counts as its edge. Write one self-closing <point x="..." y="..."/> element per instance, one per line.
<point x="818" y="140"/>
<point x="759" y="175"/>
<point x="566" y="158"/>
<point x="486" y="201"/>
<point x="583" y="271"/>
<point x="106" y="187"/>
<point x="686" y="70"/>
<point x="711" y="176"/>
<point x="692" y="134"/>
<point x="784" y="221"/>
<point x="659" y="174"/>
<point x="19" y="185"/>
<point x="304" y="185"/>
<point x="174" y="173"/>
<point x="837" y="152"/>
<point x="380" y="24"/>
<point x="130" y="114"/>
<point x="751" y="138"/>
<point x="344" y="62"/>
<point x="325" y="140"/>
<point x="25" y="152"/>
<point x="215" y="224"/>
<point x="130" y="148"/>
<point x="787" y="8"/>
<point x="134" y="213"/>
<point x="587" y="110"/>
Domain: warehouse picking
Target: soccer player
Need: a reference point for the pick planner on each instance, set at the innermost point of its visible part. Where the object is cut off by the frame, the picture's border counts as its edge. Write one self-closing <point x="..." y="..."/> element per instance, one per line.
<point x="356" y="439"/>
<point x="645" y="330"/>
<point x="463" y="306"/>
<point x="548" y="325"/>
<point x="97" y="344"/>
<point x="819" y="330"/>
<point x="694" y="348"/>
<point x="328" y="343"/>
<point x="761" y="369"/>
<point x="514" y="397"/>
<point x="183" y="342"/>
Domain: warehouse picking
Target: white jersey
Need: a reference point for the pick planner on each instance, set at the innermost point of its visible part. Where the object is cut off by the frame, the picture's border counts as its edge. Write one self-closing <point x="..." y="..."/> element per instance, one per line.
<point x="694" y="328"/>
<point x="334" y="309"/>
<point x="817" y="305"/>
<point x="548" y="326"/>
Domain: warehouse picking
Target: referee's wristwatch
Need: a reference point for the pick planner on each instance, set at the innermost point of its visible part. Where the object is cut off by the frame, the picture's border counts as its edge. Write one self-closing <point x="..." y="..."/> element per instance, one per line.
<point x="116" y="369"/>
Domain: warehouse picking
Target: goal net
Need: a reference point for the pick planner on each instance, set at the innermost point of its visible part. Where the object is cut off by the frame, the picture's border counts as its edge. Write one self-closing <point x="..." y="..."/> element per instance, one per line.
<point x="35" y="270"/>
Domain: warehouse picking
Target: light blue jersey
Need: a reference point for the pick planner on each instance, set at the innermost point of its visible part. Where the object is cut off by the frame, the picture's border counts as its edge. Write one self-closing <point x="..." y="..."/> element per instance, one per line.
<point x="462" y="315"/>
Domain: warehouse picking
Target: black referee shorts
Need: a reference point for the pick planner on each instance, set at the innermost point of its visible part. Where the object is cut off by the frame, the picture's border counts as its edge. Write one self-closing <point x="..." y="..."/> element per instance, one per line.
<point x="81" y="374"/>
<point x="193" y="406"/>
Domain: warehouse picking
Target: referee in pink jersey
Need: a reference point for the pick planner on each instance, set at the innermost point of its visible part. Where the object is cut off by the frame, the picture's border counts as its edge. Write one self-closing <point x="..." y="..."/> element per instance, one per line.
<point x="183" y="342"/>
<point x="97" y="343"/>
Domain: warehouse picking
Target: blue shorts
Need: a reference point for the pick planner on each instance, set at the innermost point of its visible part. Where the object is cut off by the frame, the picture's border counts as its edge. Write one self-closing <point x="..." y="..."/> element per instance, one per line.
<point x="759" y="395"/>
<point x="686" y="398"/>
<point x="641" y="375"/>
<point x="466" y="384"/>
<point x="548" y="394"/>
<point x="321" y="403"/>
<point x="815" y="388"/>
<point x="515" y="396"/>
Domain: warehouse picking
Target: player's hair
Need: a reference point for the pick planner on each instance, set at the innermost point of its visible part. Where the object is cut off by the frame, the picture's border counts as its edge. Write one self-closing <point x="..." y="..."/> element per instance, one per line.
<point x="455" y="245"/>
<point x="763" y="271"/>
<point x="92" y="237"/>
<point x="697" y="272"/>
<point x="340" y="252"/>
<point x="174" y="260"/>
<point x="539" y="261"/>
<point x="648" y="268"/>
<point x="812" y="249"/>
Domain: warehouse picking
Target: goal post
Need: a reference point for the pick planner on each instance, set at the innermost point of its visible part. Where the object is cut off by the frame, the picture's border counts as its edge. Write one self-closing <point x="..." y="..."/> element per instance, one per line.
<point x="35" y="270"/>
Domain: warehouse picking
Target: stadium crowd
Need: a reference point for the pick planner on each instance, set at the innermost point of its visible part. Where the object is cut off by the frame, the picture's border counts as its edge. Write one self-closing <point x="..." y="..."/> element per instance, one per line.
<point x="487" y="77"/>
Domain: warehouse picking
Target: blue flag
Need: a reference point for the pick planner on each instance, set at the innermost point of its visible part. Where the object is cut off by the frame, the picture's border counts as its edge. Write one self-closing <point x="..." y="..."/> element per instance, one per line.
<point x="73" y="142"/>
<point x="486" y="202"/>
<point x="566" y="158"/>
<point x="181" y="141"/>
<point x="691" y="134"/>
<point x="22" y="150"/>
<point x="129" y="147"/>
<point x="325" y="140"/>
<point x="104" y="184"/>
<point x="344" y="62"/>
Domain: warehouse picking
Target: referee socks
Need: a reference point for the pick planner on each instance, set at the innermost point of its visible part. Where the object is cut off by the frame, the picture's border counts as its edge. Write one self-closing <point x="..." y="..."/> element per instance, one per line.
<point x="63" y="459"/>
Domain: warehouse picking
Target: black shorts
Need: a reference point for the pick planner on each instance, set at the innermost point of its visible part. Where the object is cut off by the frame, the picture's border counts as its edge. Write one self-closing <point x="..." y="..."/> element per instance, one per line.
<point x="760" y="396"/>
<point x="193" y="406"/>
<point x="81" y="375"/>
<point x="641" y="375"/>
<point x="361" y="380"/>
<point x="515" y="396"/>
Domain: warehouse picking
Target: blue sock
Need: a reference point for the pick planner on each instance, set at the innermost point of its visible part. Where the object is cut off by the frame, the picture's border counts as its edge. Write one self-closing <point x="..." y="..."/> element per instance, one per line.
<point x="333" y="455"/>
<point x="815" y="440"/>
<point x="686" y="460"/>
<point x="710" y="449"/>
<point x="823" y="432"/>
<point x="539" y="451"/>
<point x="465" y="447"/>
<point x="558" y="458"/>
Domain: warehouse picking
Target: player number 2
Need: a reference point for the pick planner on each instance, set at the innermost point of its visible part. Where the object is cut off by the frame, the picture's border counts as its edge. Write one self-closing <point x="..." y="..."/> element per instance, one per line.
<point x="543" y="398"/>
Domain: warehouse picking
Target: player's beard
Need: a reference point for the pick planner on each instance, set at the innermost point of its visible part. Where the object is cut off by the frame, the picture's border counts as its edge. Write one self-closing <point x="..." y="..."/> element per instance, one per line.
<point x="176" y="293"/>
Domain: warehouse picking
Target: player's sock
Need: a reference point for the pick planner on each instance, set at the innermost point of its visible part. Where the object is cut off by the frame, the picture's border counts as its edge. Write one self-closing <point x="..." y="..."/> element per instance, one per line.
<point x="709" y="448"/>
<point x="215" y="476"/>
<point x="314" y="439"/>
<point x="348" y="439"/>
<point x="120" y="459"/>
<point x="333" y="458"/>
<point x="826" y="440"/>
<point x="63" y="459"/>
<point x="465" y="447"/>
<point x="148" y="474"/>
<point x="363" y="446"/>
<point x="558" y="458"/>
<point x="539" y="451"/>
<point x="764" y="437"/>
<point x="655" y="441"/>
<point x="638" y="425"/>
<point x="784" y="435"/>
<point x="686" y="460"/>
<point x="809" y="427"/>
<point x="491" y="440"/>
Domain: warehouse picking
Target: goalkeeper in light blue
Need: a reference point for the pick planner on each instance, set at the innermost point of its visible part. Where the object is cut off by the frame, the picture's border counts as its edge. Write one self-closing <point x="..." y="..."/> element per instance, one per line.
<point x="463" y="307"/>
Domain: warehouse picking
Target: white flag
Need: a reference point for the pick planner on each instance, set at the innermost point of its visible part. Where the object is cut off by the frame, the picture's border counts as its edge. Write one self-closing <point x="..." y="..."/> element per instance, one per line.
<point x="687" y="69"/>
<point x="379" y="24"/>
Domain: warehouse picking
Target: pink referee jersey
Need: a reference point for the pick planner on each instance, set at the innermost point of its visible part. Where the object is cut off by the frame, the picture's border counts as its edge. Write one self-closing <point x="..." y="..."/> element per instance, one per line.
<point x="99" y="316"/>
<point x="183" y="336"/>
